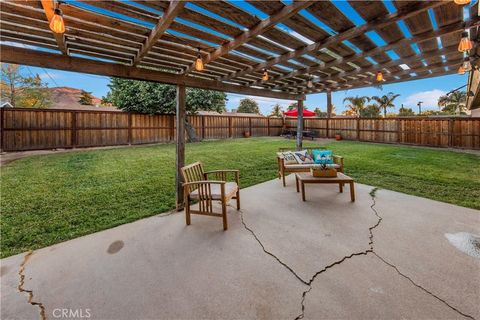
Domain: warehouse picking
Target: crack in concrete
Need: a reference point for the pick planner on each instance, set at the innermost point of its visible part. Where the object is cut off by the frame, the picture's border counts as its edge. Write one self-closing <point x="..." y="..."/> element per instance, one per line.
<point x="29" y="292"/>
<point x="422" y="288"/>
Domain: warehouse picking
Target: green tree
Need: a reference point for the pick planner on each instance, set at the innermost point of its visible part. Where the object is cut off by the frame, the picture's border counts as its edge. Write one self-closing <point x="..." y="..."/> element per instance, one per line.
<point x="319" y="113"/>
<point x="356" y="105"/>
<point x="385" y="101"/>
<point x="292" y="106"/>
<point x="405" y="112"/>
<point x="454" y="103"/>
<point x="248" y="106"/>
<point x="276" y="111"/>
<point x="86" y="98"/>
<point x="370" y="111"/>
<point x="153" y="97"/>
<point x="23" y="91"/>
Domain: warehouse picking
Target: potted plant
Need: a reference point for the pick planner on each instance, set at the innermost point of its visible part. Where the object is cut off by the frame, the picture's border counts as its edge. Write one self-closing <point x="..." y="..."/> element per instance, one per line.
<point x="246" y="134"/>
<point x="338" y="136"/>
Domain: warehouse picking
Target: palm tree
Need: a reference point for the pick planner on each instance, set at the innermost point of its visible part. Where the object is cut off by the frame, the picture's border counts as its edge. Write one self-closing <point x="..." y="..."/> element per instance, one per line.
<point x="386" y="101"/>
<point x="454" y="102"/>
<point x="276" y="111"/>
<point x="356" y="104"/>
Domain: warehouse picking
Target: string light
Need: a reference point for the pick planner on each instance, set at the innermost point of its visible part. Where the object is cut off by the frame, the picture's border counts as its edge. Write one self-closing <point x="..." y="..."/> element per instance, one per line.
<point x="467" y="66"/>
<point x="379" y="76"/>
<point x="265" y="75"/>
<point x="465" y="43"/>
<point x="56" y="24"/>
<point x="199" y="62"/>
<point x="309" y="82"/>
<point x="462" y="2"/>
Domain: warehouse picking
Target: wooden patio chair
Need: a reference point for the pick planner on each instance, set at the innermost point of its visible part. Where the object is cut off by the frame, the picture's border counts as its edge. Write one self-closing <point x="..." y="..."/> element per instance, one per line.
<point x="198" y="187"/>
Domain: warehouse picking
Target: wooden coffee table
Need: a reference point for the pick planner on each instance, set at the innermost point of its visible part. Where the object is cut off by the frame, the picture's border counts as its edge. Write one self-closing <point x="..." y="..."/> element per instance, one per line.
<point x="303" y="178"/>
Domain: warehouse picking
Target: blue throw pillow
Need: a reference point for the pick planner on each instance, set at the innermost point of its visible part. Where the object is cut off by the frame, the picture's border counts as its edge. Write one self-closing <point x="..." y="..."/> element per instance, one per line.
<point x="323" y="156"/>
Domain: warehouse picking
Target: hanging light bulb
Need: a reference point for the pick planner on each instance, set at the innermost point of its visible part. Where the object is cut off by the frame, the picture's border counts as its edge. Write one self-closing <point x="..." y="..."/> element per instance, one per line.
<point x="465" y="43"/>
<point x="265" y="75"/>
<point x="199" y="62"/>
<point x="56" y="24"/>
<point x="462" y="2"/>
<point x="467" y="66"/>
<point x="379" y="76"/>
<point x="310" y="82"/>
<point x="461" y="70"/>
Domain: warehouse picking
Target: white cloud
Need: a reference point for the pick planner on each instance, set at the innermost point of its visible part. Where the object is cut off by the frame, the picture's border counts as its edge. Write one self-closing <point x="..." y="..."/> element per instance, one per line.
<point x="429" y="98"/>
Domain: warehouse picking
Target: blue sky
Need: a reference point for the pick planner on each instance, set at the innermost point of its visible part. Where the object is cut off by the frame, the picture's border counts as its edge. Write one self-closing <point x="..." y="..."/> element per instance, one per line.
<point x="426" y="90"/>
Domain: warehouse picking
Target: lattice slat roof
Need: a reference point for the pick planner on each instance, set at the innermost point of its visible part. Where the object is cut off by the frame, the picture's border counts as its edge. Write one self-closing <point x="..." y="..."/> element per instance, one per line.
<point x="339" y="45"/>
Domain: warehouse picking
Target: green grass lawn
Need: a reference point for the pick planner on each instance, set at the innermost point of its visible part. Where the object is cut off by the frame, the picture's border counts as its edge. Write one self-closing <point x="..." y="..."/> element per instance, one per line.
<point x="49" y="199"/>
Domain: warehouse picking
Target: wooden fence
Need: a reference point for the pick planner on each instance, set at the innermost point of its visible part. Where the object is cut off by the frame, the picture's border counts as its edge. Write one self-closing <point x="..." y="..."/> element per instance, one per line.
<point x="34" y="129"/>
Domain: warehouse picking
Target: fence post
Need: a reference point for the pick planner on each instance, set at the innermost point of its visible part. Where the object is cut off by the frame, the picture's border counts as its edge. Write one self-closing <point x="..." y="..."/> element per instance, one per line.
<point x="129" y="128"/>
<point x="358" y="129"/>
<point x="399" y="129"/>
<point x="1" y="129"/>
<point x="203" y="127"/>
<point x="230" y="131"/>
<point x="73" y="125"/>
<point x="450" y="132"/>
<point x="250" y="126"/>
<point x="172" y="127"/>
<point x="268" y="126"/>
<point x="328" y="128"/>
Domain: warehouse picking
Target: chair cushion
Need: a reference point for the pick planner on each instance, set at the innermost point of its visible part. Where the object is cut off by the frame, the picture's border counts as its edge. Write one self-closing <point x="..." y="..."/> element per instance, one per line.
<point x="303" y="157"/>
<point x="230" y="190"/>
<point x="310" y="165"/>
<point x="323" y="156"/>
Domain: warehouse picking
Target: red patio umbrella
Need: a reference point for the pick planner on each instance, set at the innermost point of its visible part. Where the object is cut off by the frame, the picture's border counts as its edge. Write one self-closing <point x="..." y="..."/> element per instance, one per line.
<point x="294" y="113"/>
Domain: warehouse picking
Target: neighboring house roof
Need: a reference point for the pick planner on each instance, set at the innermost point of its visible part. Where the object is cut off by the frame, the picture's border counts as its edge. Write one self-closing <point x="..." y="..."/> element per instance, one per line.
<point x="67" y="98"/>
<point x="5" y="103"/>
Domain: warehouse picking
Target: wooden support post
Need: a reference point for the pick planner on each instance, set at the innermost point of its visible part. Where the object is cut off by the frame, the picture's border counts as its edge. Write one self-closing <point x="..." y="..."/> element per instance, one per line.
<point x="180" y="154"/>
<point x="329" y="104"/>
<point x="73" y="137"/>
<point x="1" y="129"/>
<point x="300" y="125"/>
<point x="129" y="128"/>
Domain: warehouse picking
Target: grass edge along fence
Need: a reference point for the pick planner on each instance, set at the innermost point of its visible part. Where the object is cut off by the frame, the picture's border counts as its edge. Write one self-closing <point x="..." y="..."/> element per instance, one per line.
<point x="37" y="129"/>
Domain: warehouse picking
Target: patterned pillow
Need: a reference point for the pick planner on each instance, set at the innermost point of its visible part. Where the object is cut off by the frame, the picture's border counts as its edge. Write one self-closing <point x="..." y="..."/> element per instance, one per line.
<point x="323" y="156"/>
<point x="289" y="158"/>
<point x="303" y="157"/>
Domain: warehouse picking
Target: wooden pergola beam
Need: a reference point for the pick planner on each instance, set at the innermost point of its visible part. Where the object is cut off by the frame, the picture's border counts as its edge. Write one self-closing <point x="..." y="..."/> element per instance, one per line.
<point x="10" y="54"/>
<point x="264" y="25"/>
<point x="372" y="69"/>
<point x="436" y="67"/>
<point x="353" y="32"/>
<point x="425" y="36"/>
<point x="162" y="25"/>
<point x="49" y="8"/>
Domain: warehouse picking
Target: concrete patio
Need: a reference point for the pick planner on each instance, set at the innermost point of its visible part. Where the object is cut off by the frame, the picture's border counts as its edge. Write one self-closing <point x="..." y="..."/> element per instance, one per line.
<point x="385" y="256"/>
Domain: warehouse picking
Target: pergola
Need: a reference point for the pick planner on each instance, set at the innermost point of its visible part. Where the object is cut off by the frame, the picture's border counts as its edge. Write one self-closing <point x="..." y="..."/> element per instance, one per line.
<point x="278" y="49"/>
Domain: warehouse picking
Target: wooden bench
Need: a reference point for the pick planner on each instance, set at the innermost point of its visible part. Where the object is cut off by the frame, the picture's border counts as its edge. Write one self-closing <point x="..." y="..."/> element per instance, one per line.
<point x="285" y="169"/>
<point x="198" y="187"/>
